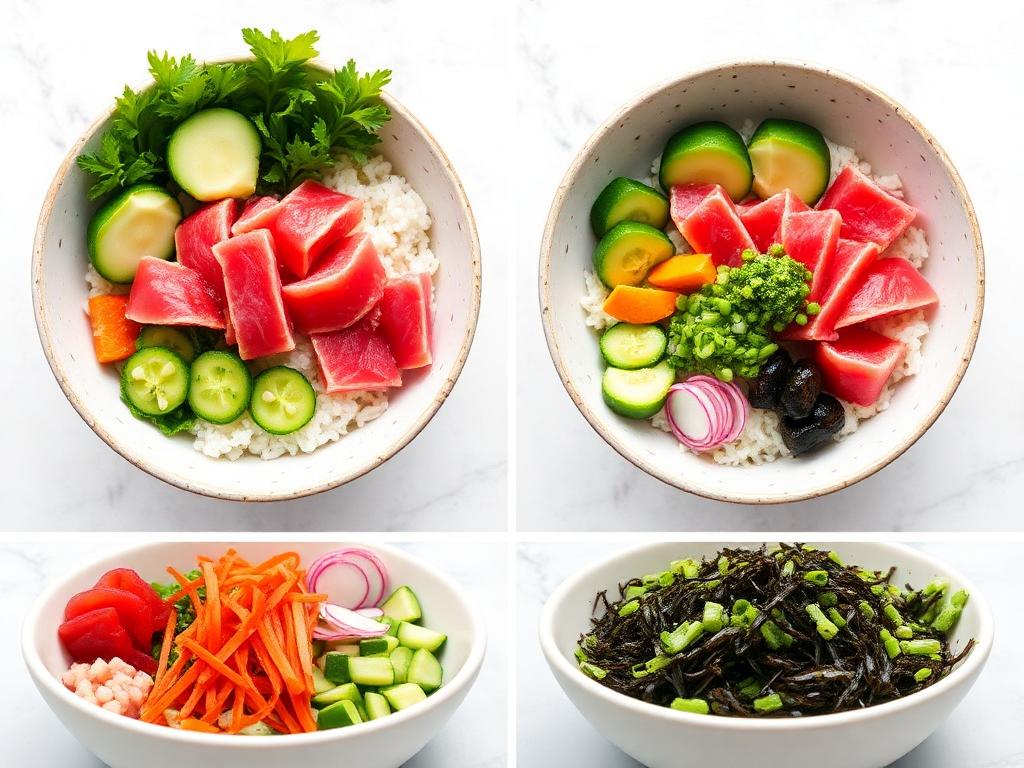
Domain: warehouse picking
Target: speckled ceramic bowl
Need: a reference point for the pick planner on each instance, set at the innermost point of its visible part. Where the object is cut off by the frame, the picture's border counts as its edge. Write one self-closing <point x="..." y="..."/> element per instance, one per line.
<point x="846" y="111"/>
<point x="59" y="292"/>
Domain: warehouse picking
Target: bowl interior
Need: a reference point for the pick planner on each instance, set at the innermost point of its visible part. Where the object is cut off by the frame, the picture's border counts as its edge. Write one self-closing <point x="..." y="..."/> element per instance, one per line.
<point x="60" y="294"/>
<point x="848" y="113"/>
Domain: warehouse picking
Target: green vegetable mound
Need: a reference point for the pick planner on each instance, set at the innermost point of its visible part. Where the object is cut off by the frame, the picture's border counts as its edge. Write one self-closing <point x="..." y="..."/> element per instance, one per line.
<point x="186" y="611"/>
<point x="723" y="329"/>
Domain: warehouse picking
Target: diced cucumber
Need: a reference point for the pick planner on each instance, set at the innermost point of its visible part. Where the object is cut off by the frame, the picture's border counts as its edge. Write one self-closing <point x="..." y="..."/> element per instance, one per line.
<point x="138" y="222"/>
<point x="155" y="380"/>
<point x="416" y="637"/>
<point x="338" y="715"/>
<point x="283" y="401"/>
<point x="392" y="625"/>
<point x="220" y="386"/>
<point x="626" y="254"/>
<point x="637" y="394"/>
<point x="401" y="659"/>
<point x="787" y="154"/>
<point x="319" y="648"/>
<point x="630" y="346"/>
<point x="628" y="200"/>
<point x="172" y="338"/>
<point x="371" y="670"/>
<point x="378" y="646"/>
<point x="425" y="671"/>
<point x="708" y="153"/>
<point x="348" y="650"/>
<point x="321" y="684"/>
<point x="336" y="668"/>
<point x="403" y="605"/>
<point x="404" y="695"/>
<point x="257" y="729"/>
<point x="215" y="154"/>
<point x="377" y="706"/>
<point x="346" y="692"/>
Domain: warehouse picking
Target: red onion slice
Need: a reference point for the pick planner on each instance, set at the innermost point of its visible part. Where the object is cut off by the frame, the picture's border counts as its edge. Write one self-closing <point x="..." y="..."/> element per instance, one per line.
<point x="352" y="578"/>
<point x="370" y="613"/>
<point x="342" y="621"/>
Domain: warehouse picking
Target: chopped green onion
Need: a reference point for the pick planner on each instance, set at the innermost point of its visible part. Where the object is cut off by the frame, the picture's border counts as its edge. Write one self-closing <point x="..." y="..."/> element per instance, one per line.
<point x="825" y="628"/>
<point x="770" y="703"/>
<point x="922" y="674"/>
<point x="714" y="617"/>
<point x="818" y="578"/>
<point x="920" y="647"/>
<point x="629" y="608"/>
<point x="892" y="645"/>
<point x="679" y="639"/>
<point x="776" y="637"/>
<point x="693" y="706"/>
<point x="592" y="670"/>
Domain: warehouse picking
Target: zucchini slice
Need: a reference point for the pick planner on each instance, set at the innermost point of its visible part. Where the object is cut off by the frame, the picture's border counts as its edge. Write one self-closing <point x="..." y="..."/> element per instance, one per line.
<point x="215" y="154"/>
<point x="708" y="153"/>
<point x="637" y="394"/>
<point x="138" y="222"/>
<point x="787" y="154"/>
<point x="627" y="253"/>
<point x="627" y="200"/>
<point x="629" y="346"/>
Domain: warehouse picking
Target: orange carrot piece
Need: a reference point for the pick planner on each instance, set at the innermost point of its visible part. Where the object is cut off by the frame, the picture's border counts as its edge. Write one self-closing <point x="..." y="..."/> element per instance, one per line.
<point x="640" y="305"/>
<point x="165" y="646"/>
<point x="685" y="273"/>
<point x="113" y="334"/>
<point x="212" y="661"/>
<point x="191" y="724"/>
<point x="213" y="612"/>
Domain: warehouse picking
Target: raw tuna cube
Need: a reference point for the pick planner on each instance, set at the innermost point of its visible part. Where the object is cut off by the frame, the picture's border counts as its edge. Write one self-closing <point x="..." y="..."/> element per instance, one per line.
<point x="870" y="214"/>
<point x="405" y="319"/>
<point x="857" y="365"/>
<point x="168" y="293"/>
<point x="357" y="357"/>
<point x="811" y="237"/>
<point x="99" y="635"/>
<point x="194" y="240"/>
<point x="346" y="285"/>
<point x="713" y="227"/>
<point x="763" y="219"/>
<point x="305" y="224"/>
<point x="254" y="206"/>
<point x="683" y="198"/>
<point x="253" y="287"/>
<point x="133" y="612"/>
<point x="889" y="287"/>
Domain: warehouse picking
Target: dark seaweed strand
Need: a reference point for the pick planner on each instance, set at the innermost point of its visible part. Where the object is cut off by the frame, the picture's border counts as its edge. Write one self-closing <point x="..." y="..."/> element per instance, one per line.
<point x="813" y="676"/>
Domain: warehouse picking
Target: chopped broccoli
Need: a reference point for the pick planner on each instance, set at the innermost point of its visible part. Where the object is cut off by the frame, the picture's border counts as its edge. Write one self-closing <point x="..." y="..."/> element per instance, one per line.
<point x="186" y="611"/>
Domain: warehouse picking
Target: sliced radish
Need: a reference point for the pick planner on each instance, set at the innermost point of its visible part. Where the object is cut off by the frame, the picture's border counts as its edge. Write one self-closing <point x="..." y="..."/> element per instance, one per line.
<point x="705" y="413"/>
<point x="689" y="414"/>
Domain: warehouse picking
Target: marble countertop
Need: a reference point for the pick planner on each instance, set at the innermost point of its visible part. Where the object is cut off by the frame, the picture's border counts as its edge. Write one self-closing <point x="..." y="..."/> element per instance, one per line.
<point x="978" y="733"/>
<point x="475" y="737"/>
<point x="64" y="67"/>
<point x="955" y="68"/>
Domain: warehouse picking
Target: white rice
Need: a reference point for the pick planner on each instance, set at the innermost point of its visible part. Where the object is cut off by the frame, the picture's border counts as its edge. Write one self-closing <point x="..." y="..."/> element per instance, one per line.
<point x="761" y="441"/>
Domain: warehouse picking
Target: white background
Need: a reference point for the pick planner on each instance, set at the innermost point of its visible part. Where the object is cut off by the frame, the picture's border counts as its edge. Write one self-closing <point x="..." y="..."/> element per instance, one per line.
<point x="954" y="65"/>
<point x="983" y="732"/>
<point x="63" y="63"/>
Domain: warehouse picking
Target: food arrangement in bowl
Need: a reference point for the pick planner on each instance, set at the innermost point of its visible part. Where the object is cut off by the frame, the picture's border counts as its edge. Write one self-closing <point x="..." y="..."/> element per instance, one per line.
<point x="762" y="296"/>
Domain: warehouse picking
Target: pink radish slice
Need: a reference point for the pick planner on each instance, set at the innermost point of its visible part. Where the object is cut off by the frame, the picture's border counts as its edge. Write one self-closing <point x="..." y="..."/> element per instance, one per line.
<point x="689" y="416"/>
<point x="370" y="613"/>
<point x="705" y="413"/>
<point x="344" y="583"/>
<point x="722" y="405"/>
<point x="344" y="620"/>
<point x="739" y="412"/>
<point x="375" y="570"/>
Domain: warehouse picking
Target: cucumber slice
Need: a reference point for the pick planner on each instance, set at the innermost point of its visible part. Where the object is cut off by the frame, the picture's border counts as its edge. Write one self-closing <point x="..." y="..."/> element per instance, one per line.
<point x="637" y="394"/>
<point x="336" y="668"/>
<point x="257" y="729"/>
<point x="708" y="153"/>
<point x="283" y="400"/>
<point x="138" y="222"/>
<point x="425" y="671"/>
<point x="155" y="380"/>
<point x="376" y="670"/>
<point x="377" y="706"/>
<point x="403" y="605"/>
<point x="215" y="154"/>
<point x="628" y="200"/>
<point x="787" y="154"/>
<point x="172" y="338"/>
<point x="416" y="637"/>
<point x="629" y="346"/>
<point x="320" y="682"/>
<point x="220" y="387"/>
<point x="404" y="695"/>
<point x="339" y="715"/>
<point x="401" y="659"/>
<point x="626" y="254"/>
<point x="378" y="645"/>
<point x="346" y="692"/>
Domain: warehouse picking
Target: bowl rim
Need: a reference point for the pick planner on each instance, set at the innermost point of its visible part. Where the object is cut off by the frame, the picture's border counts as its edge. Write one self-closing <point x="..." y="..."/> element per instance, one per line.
<point x="636" y="456"/>
<point x="181" y="481"/>
<point x="969" y="667"/>
<point x="463" y="679"/>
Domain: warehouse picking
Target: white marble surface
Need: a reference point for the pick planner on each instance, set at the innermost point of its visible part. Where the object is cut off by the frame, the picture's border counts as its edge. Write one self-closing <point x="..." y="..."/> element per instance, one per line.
<point x="63" y="64"/>
<point x="474" y="738"/>
<point x="983" y="731"/>
<point x="952" y="64"/>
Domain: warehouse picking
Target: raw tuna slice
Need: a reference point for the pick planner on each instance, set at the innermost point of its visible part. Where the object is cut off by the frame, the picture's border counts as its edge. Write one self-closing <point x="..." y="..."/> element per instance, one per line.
<point x="764" y="219"/>
<point x="194" y="240"/>
<point x="254" y="206"/>
<point x="683" y="198"/>
<point x="168" y="293"/>
<point x="856" y="366"/>
<point x="870" y="214"/>
<point x="357" y="357"/>
<point x="253" y="287"/>
<point x="713" y="227"/>
<point x="851" y="263"/>
<point x="811" y="237"/>
<point x="99" y="635"/>
<point x="346" y="285"/>
<point x="306" y="223"/>
<point x="405" y="319"/>
<point x="889" y="287"/>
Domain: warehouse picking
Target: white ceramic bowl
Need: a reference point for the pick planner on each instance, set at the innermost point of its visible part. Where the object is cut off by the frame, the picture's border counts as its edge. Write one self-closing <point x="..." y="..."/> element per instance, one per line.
<point x="59" y="293"/>
<point x="122" y="742"/>
<point x="657" y="736"/>
<point x="846" y="111"/>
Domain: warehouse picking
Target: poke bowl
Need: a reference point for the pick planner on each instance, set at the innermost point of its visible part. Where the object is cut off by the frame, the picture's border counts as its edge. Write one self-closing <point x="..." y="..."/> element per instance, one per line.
<point x="114" y="711"/>
<point x="761" y="282"/>
<point x="348" y="279"/>
<point x="772" y="720"/>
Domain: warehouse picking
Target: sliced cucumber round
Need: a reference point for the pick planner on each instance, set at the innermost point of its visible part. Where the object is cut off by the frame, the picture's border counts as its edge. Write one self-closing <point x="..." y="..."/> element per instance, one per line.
<point x="138" y="222"/>
<point x="708" y="153"/>
<point x="155" y="380"/>
<point x="215" y="154"/>
<point x="637" y="394"/>
<point x="283" y="400"/>
<point x="172" y="338"/>
<point x="627" y="253"/>
<point x="627" y="200"/>
<point x="786" y="154"/>
<point x="629" y="346"/>
<point x="220" y="387"/>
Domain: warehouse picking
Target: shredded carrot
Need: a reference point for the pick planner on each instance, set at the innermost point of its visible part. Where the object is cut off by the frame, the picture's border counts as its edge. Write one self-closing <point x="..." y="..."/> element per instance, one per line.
<point x="191" y="724"/>
<point x="165" y="646"/>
